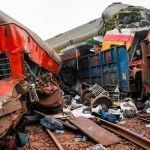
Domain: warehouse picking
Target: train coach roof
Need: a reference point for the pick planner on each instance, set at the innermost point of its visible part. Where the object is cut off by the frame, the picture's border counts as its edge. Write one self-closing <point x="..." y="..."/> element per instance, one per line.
<point x="5" y="19"/>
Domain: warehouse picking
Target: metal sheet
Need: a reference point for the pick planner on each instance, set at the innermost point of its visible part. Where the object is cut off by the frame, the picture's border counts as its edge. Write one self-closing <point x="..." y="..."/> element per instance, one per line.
<point x="94" y="131"/>
<point x="7" y="20"/>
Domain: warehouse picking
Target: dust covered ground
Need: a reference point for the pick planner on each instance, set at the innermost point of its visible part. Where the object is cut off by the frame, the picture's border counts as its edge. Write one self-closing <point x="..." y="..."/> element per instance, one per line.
<point x="39" y="139"/>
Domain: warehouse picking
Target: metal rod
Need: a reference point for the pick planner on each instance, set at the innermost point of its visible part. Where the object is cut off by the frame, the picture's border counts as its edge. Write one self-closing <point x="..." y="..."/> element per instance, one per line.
<point x="54" y="140"/>
<point x="4" y="64"/>
<point x="5" y="69"/>
<point x="70" y="126"/>
<point x="144" y="119"/>
<point x="4" y="59"/>
<point x="40" y="113"/>
<point x="134" y="50"/>
<point x="5" y="74"/>
<point x="135" y="138"/>
<point x="28" y="67"/>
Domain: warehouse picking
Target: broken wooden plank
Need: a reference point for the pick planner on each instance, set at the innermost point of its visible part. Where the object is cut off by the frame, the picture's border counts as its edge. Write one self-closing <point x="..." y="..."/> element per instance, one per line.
<point x="94" y="131"/>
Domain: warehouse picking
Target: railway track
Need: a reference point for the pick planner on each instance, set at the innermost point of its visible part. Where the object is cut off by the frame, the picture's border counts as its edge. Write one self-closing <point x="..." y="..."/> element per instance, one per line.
<point x="41" y="140"/>
<point x="144" y="117"/>
<point x="57" y="144"/>
<point x="131" y="136"/>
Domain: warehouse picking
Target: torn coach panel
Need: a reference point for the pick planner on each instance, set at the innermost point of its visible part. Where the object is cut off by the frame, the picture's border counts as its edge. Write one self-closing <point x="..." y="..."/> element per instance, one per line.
<point x="27" y="65"/>
<point x="16" y="39"/>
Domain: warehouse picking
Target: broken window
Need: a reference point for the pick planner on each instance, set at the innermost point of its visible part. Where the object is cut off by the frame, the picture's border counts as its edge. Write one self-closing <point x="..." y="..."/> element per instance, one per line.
<point x="128" y="17"/>
<point x="4" y="66"/>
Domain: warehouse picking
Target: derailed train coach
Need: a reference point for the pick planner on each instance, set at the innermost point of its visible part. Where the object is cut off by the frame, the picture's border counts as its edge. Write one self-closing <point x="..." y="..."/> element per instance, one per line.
<point x="117" y="66"/>
<point x="122" y="61"/>
<point x="27" y="66"/>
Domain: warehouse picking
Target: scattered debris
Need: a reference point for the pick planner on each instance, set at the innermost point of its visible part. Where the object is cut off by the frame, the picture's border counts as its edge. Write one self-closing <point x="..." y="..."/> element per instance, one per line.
<point x="95" y="92"/>
<point x="59" y="131"/>
<point x="107" y="116"/>
<point x="51" y="123"/>
<point x="147" y="106"/>
<point x="23" y="138"/>
<point x="128" y="108"/>
<point x="81" y="112"/>
<point x="147" y="125"/>
<point x="80" y="138"/>
<point x="97" y="147"/>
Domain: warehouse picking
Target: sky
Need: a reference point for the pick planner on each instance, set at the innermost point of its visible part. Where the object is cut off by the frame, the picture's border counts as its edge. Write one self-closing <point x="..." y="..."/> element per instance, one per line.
<point x="49" y="18"/>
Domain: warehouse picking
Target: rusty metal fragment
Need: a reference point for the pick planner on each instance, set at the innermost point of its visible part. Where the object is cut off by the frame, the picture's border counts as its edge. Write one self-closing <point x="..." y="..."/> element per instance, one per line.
<point x="51" y="97"/>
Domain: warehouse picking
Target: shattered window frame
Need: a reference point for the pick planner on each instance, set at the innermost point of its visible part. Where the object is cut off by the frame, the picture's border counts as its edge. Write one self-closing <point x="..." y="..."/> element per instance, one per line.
<point x="131" y="17"/>
<point x="5" y="70"/>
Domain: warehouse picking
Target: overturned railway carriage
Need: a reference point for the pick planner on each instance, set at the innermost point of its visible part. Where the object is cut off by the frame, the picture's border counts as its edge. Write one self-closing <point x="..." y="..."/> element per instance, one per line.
<point x="127" y="69"/>
<point x="117" y="66"/>
<point x="26" y="66"/>
<point x="121" y="61"/>
<point x="108" y="68"/>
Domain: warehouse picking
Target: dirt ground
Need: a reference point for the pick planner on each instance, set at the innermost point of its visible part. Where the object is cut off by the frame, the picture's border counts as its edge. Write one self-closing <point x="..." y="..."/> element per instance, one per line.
<point x="39" y="139"/>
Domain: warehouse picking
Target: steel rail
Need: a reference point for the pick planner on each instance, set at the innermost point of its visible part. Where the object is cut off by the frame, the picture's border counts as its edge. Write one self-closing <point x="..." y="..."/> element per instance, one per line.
<point x="135" y="138"/>
<point x="144" y="119"/>
<point x="54" y="140"/>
